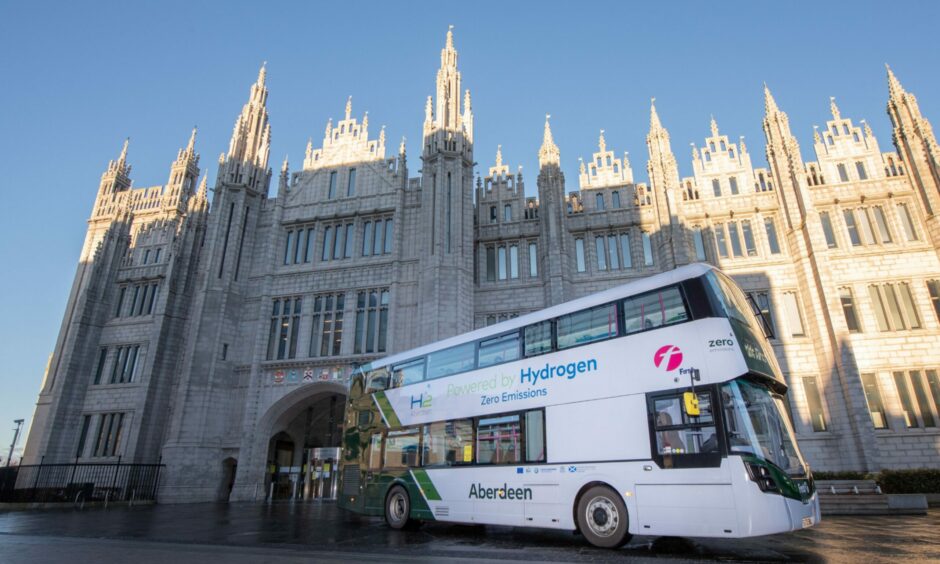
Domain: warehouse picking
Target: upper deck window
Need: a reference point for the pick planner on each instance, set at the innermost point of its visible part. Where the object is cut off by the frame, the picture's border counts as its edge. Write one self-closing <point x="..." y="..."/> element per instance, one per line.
<point x="586" y="326"/>
<point x="499" y="350"/>
<point x="451" y="361"/>
<point x="408" y="373"/>
<point x="652" y="310"/>
<point x="538" y="338"/>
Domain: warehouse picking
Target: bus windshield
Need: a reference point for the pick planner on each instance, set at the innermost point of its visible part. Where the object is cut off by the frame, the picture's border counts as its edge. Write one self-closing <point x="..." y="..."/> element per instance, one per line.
<point x="757" y="425"/>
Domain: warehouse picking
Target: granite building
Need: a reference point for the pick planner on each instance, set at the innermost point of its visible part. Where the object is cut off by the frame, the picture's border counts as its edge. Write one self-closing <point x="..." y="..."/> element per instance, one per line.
<point x="219" y="341"/>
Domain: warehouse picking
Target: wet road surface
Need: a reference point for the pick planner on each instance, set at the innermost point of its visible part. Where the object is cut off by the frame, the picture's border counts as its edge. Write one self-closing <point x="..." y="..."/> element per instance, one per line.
<point x="284" y="532"/>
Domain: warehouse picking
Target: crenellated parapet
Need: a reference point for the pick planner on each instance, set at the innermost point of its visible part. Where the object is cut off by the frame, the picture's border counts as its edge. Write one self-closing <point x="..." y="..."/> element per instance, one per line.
<point x="346" y="142"/>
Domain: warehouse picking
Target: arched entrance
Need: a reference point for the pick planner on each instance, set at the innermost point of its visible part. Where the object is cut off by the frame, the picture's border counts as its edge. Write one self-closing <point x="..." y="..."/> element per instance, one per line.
<point x="299" y="464"/>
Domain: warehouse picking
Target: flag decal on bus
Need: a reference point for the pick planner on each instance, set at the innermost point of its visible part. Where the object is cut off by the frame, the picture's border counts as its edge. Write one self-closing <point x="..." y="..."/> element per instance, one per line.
<point x="385" y="406"/>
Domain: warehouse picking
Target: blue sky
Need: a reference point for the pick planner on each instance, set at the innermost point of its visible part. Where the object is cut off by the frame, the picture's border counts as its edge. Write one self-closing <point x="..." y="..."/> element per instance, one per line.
<point x="78" y="79"/>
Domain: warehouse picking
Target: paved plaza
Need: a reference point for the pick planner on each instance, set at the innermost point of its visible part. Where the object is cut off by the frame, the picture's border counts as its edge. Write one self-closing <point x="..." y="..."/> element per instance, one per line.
<point x="284" y="532"/>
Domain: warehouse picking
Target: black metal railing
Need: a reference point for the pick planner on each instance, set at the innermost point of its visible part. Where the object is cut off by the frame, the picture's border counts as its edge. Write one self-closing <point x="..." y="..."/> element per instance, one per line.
<point x="79" y="482"/>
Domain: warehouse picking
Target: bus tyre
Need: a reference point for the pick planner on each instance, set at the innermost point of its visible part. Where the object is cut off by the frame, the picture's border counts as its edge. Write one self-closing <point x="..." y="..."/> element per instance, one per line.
<point x="397" y="508"/>
<point x="602" y="517"/>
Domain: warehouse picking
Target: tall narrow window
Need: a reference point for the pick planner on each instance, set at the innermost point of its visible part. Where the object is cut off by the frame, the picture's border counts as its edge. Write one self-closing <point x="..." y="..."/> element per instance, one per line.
<point x="762" y="299"/>
<point x="814" y="402"/>
<point x="699" y="242"/>
<point x="284" y="328"/>
<point x="533" y="261"/>
<point x="881" y="314"/>
<point x="612" y="250"/>
<point x="904" y="213"/>
<point x="513" y="261"/>
<point x="625" y="252"/>
<point x="873" y="397"/>
<point x="923" y="401"/>
<point x="850" y="226"/>
<point x="367" y="239"/>
<point x="308" y="250"/>
<point x="492" y="214"/>
<point x="933" y="287"/>
<point x="615" y="199"/>
<point x="327" y="243"/>
<point x="347" y="253"/>
<point x="490" y="264"/>
<point x="378" y="246"/>
<point x="326" y="333"/>
<point x="388" y="236"/>
<point x="339" y="242"/>
<point x="716" y="187"/>
<point x="507" y="213"/>
<point x="501" y="262"/>
<point x="647" y="249"/>
<point x="120" y="301"/>
<point x="599" y="201"/>
<point x="448" y="219"/>
<point x="864" y="223"/>
<point x="733" y="182"/>
<point x="80" y="451"/>
<point x="351" y="185"/>
<point x="843" y="173"/>
<point x="300" y="244"/>
<point x="827" y="230"/>
<point x="907" y="403"/>
<point x="102" y="356"/>
<point x="749" y="245"/>
<point x="599" y="247"/>
<point x="848" y="309"/>
<point x="720" y="241"/>
<point x="332" y="192"/>
<point x="771" y="228"/>
<point x="860" y="168"/>
<point x="153" y="298"/>
<point x="794" y="317"/>
<point x="579" y="254"/>
<point x="907" y="306"/>
<point x="735" y="239"/>
<point x="882" y="224"/>
<point x="933" y="382"/>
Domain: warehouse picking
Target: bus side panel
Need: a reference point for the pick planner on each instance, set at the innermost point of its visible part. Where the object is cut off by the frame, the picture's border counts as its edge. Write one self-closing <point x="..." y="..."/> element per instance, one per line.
<point x="608" y="429"/>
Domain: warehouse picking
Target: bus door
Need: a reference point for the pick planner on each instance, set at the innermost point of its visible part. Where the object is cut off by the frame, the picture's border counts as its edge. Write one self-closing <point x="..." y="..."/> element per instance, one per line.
<point x="684" y="490"/>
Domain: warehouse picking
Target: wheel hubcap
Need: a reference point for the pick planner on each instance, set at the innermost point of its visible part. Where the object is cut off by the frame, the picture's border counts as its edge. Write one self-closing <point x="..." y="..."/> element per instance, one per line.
<point x="397" y="507"/>
<point x="602" y="516"/>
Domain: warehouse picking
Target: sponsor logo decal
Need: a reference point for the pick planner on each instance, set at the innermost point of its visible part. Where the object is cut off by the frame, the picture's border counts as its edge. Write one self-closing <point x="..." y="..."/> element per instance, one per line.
<point x="668" y="357"/>
<point x="421" y="401"/>
<point x="561" y="371"/>
<point x="479" y="491"/>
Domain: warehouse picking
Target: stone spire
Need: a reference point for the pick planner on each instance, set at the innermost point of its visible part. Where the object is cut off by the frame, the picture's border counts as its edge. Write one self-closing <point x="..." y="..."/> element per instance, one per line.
<point x="382" y="136"/>
<point x="285" y="165"/>
<point x="770" y="105"/>
<point x="742" y="148"/>
<point x="601" y="142"/>
<point x="401" y="147"/>
<point x="654" y="117"/>
<point x="714" y="126"/>
<point x="499" y="155"/>
<point x="429" y="111"/>
<point x="191" y="146"/>
<point x="450" y="38"/>
<point x="816" y="137"/>
<point x="894" y="85"/>
<point x="548" y="153"/>
<point x="348" y="107"/>
<point x="834" y="108"/>
<point x="251" y="138"/>
<point x="203" y="188"/>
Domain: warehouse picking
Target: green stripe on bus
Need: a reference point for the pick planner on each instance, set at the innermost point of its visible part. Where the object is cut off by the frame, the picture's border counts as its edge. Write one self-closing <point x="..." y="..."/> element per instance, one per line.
<point x="426" y="485"/>
<point x="387" y="410"/>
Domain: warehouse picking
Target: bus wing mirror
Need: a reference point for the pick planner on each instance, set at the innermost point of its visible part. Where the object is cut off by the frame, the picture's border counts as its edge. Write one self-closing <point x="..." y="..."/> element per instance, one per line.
<point x="690" y="401"/>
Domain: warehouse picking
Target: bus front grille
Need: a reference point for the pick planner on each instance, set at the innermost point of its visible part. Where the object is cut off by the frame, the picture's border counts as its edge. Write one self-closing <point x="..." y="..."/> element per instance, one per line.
<point x="351" y="479"/>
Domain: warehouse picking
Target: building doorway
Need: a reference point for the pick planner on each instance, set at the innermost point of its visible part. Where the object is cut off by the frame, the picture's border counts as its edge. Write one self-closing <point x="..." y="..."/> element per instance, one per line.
<point x="303" y="453"/>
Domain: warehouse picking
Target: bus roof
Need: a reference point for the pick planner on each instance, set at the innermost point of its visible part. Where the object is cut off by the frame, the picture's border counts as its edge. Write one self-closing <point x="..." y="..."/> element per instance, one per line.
<point x="617" y="292"/>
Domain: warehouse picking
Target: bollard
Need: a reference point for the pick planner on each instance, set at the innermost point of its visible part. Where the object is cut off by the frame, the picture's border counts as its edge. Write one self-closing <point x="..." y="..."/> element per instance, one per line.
<point x="271" y="493"/>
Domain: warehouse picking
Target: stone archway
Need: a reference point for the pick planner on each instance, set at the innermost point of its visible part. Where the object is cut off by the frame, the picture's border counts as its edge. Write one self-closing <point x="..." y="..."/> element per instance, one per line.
<point x="304" y="415"/>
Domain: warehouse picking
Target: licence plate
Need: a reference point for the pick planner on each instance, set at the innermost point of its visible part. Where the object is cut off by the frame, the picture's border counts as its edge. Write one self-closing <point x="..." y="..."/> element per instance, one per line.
<point x="807" y="522"/>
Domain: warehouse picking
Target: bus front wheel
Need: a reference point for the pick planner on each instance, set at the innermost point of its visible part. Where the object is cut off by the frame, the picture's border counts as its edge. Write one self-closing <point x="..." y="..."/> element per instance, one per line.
<point x="397" y="508"/>
<point x="602" y="517"/>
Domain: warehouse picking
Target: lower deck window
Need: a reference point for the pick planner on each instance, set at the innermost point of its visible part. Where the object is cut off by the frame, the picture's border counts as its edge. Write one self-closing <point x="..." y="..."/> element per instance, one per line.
<point x="401" y="449"/>
<point x="448" y="443"/>
<point x="678" y="433"/>
<point x="499" y="440"/>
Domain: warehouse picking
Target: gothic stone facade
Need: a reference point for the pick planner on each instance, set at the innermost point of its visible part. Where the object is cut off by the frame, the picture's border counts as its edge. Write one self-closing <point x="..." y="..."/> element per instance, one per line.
<point x="194" y="336"/>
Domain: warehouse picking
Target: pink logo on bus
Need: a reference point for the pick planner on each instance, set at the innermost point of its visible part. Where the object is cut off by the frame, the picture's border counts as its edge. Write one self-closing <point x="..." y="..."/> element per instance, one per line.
<point x="668" y="357"/>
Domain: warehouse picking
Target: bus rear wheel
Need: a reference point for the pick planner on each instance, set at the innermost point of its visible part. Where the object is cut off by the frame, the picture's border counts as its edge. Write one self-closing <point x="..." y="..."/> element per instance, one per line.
<point x="398" y="508"/>
<point x="602" y="517"/>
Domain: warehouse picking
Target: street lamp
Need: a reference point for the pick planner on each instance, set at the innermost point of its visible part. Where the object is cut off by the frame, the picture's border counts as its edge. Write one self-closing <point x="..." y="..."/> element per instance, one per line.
<point x="16" y="435"/>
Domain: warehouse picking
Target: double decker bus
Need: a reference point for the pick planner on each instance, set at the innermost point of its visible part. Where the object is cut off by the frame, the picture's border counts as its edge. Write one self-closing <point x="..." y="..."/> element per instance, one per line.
<point x="653" y="408"/>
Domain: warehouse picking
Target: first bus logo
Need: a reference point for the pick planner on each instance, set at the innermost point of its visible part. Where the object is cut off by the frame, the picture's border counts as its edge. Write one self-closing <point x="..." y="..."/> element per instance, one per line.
<point x="668" y="357"/>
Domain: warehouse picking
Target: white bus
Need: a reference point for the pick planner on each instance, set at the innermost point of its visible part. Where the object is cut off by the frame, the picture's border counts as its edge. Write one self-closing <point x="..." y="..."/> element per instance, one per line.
<point x="653" y="408"/>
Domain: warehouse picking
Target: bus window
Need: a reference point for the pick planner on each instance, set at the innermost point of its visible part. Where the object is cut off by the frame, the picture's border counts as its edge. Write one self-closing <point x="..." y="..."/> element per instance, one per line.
<point x="653" y="310"/>
<point x="499" y="350"/>
<point x="377" y="380"/>
<point x="448" y="443"/>
<point x="535" y="436"/>
<point x="364" y="418"/>
<point x="408" y="373"/>
<point x="498" y="440"/>
<point x="401" y="449"/>
<point x="678" y="433"/>
<point x="586" y="326"/>
<point x="451" y="361"/>
<point x="375" y="452"/>
<point x="538" y="338"/>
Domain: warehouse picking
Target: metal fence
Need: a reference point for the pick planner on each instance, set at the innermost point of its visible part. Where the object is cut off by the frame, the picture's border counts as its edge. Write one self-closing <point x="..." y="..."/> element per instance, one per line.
<point x="79" y="482"/>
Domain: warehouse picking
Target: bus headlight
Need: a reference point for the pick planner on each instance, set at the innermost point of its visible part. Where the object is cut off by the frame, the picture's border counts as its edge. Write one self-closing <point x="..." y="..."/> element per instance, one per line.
<point x="763" y="477"/>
